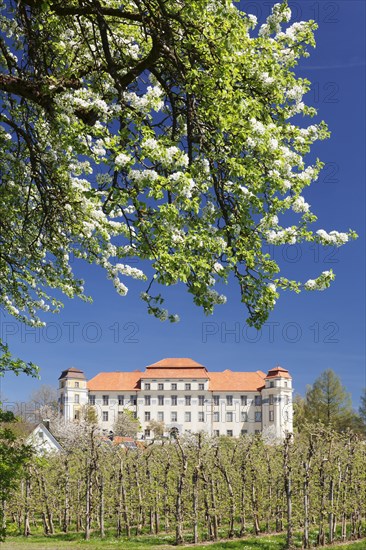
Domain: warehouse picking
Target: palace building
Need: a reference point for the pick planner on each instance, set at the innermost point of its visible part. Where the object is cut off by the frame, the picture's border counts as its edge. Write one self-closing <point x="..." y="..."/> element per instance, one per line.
<point x="184" y="396"/>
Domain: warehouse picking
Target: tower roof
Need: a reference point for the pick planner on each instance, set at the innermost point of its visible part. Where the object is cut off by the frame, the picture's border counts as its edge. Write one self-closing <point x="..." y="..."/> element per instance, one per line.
<point x="278" y="372"/>
<point x="72" y="372"/>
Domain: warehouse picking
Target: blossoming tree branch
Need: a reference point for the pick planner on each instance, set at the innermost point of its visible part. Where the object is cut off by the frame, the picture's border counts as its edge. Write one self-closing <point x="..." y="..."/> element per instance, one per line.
<point x="154" y="129"/>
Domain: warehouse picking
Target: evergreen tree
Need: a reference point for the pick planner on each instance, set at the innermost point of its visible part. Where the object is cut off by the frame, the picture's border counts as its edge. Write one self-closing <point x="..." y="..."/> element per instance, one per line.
<point x="328" y="401"/>
<point x="362" y="407"/>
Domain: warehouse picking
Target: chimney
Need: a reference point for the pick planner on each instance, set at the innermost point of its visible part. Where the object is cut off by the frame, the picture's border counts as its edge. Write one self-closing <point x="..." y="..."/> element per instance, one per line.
<point x="46" y="423"/>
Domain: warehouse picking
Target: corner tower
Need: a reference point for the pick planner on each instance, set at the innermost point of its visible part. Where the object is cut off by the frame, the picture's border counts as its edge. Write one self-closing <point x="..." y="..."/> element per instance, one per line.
<point x="277" y="402"/>
<point x="73" y="393"/>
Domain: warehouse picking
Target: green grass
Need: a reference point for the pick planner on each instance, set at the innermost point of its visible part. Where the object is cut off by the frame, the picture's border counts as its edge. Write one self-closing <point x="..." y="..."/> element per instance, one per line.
<point x="74" y="540"/>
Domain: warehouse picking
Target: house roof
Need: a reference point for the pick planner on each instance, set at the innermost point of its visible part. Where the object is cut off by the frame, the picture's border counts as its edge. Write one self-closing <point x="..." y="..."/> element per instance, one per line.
<point x="176" y="373"/>
<point x="115" y="381"/>
<point x="278" y="371"/>
<point x="176" y="363"/>
<point x="72" y="372"/>
<point x="236" y="381"/>
<point x="184" y="368"/>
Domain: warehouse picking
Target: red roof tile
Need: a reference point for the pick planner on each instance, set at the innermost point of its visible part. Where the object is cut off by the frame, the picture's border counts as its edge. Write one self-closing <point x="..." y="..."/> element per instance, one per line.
<point x="115" y="381"/>
<point x="176" y="363"/>
<point x="175" y="373"/>
<point x="236" y="381"/>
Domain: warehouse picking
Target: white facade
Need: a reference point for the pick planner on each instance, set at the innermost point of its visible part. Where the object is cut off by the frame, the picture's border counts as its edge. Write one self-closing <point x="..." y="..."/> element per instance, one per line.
<point x="43" y="441"/>
<point x="188" y="403"/>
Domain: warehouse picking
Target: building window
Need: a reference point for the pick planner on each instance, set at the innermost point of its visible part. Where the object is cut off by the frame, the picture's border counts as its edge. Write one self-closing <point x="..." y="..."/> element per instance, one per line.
<point x="147" y="385"/>
<point x="257" y="400"/>
<point x="229" y="417"/>
<point x="229" y="433"/>
<point x="147" y="416"/>
<point x="174" y="400"/>
<point x="201" y="387"/>
<point x="77" y="398"/>
<point x="244" y="432"/>
<point x="201" y="416"/>
<point x="271" y="416"/>
<point x="160" y="416"/>
<point x="174" y="386"/>
<point x="201" y="400"/>
<point x="121" y="400"/>
<point x="105" y="400"/>
<point x="133" y="399"/>
<point x="285" y="384"/>
<point x="270" y="398"/>
<point x="188" y="400"/>
<point x="216" y="433"/>
<point x="257" y="431"/>
<point x="244" y="400"/>
<point x="105" y="416"/>
<point x="147" y="433"/>
<point x="216" y="416"/>
<point x="174" y="416"/>
<point x="271" y="384"/>
<point x="91" y="399"/>
<point x="160" y="400"/>
<point x="229" y="400"/>
<point x="287" y="399"/>
<point x="258" y="417"/>
<point x="160" y="386"/>
<point x="187" y="387"/>
<point x="216" y="400"/>
<point x="285" y="416"/>
<point x="187" y="417"/>
<point x="244" y="416"/>
<point x="147" y="400"/>
<point x="77" y="385"/>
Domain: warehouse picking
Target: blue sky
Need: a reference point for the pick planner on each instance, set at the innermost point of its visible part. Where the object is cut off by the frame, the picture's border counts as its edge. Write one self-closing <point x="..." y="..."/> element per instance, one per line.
<point x="307" y="333"/>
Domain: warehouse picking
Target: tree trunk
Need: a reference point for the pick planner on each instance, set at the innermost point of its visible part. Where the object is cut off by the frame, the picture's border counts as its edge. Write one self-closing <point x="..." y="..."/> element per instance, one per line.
<point x="139" y="496"/>
<point x="101" y="506"/>
<point x="87" y="501"/>
<point x="331" y="514"/>
<point x="66" y="514"/>
<point x="321" y="533"/>
<point x="27" y="530"/>
<point x="195" y="504"/>
<point x="288" y="491"/>
<point x="179" y="500"/>
<point x="307" y="467"/>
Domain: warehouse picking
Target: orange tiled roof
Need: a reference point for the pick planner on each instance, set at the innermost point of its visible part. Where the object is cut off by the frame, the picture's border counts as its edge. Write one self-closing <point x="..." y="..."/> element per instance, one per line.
<point x="115" y="381"/>
<point x="278" y="371"/>
<point x="176" y="363"/>
<point x="236" y="381"/>
<point x="176" y="373"/>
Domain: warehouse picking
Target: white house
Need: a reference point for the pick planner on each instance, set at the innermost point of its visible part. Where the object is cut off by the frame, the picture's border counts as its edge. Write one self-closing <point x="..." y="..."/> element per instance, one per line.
<point x="185" y="396"/>
<point x="42" y="440"/>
